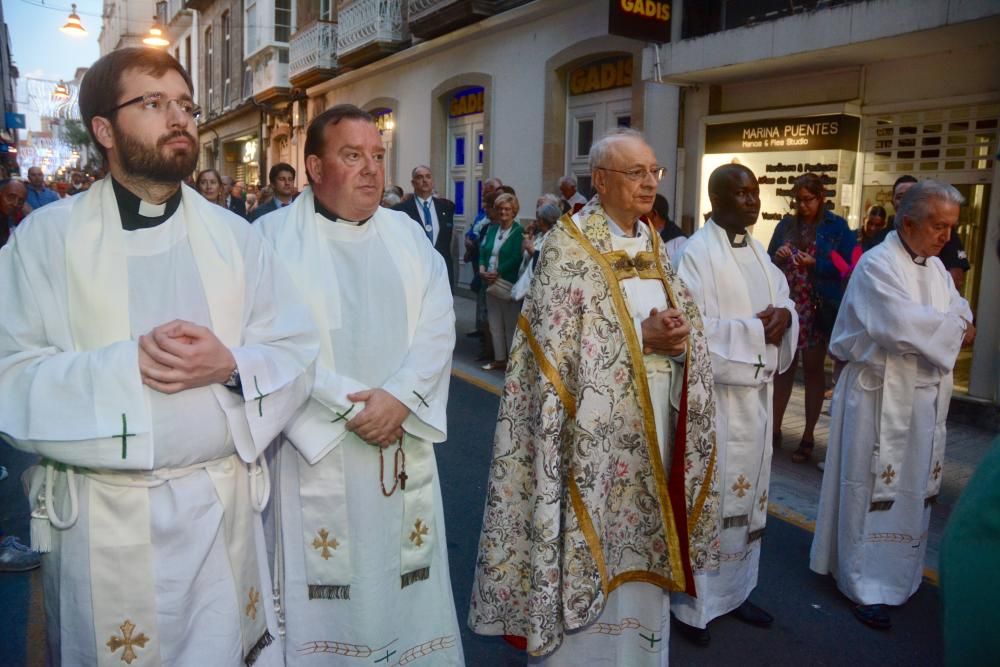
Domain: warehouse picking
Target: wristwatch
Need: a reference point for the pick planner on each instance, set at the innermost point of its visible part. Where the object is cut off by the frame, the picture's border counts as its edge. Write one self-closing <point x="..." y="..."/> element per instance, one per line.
<point x="234" y="380"/>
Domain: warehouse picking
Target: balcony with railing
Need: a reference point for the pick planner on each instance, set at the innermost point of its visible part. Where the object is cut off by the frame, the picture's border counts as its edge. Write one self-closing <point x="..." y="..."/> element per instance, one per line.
<point x="370" y="29"/>
<point x="312" y="54"/>
<point x="431" y="18"/>
<point x="269" y="78"/>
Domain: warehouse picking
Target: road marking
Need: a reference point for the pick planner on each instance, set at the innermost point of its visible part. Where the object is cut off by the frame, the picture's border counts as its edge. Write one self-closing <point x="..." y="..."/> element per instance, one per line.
<point x="779" y="512"/>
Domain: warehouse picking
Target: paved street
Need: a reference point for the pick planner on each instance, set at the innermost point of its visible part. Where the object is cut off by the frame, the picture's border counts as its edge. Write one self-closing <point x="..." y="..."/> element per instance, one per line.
<point x="813" y="624"/>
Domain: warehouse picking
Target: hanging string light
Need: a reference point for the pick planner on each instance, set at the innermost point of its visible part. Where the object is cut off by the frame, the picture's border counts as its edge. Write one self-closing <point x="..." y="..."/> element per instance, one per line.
<point x="73" y="25"/>
<point x="155" y="36"/>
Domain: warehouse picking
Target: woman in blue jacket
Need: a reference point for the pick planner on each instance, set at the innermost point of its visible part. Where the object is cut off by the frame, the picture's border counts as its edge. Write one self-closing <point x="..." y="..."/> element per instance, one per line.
<point x="801" y="247"/>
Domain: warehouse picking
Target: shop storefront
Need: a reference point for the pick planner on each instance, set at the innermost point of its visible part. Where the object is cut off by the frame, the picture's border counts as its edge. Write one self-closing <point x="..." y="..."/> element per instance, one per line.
<point x="779" y="150"/>
<point x="599" y="96"/>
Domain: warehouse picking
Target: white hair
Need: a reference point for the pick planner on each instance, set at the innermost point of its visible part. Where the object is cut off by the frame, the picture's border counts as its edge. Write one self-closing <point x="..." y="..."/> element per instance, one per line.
<point x="390" y="199"/>
<point x="917" y="200"/>
<point x="568" y="180"/>
<point x="600" y="149"/>
<point x="548" y="198"/>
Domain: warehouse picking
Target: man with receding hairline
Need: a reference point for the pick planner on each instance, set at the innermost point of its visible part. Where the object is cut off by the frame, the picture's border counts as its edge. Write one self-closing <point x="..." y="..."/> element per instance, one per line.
<point x="434" y="214"/>
<point x="362" y="535"/>
<point x="900" y="328"/>
<point x="602" y="495"/>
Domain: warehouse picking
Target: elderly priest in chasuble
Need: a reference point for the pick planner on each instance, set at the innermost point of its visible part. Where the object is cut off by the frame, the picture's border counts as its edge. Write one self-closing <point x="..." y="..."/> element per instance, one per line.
<point x="900" y="329"/>
<point x="602" y="494"/>
<point x="150" y="349"/>
<point x="362" y="559"/>
<point x="752" y="328"/>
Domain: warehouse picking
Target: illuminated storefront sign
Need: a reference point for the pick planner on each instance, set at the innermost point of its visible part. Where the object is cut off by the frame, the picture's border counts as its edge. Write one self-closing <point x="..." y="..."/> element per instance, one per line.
<point x="466" y="102"/>
<point x="647" y="20"/>
<point x="604" y="74"/>
<point x="779" y="150"/>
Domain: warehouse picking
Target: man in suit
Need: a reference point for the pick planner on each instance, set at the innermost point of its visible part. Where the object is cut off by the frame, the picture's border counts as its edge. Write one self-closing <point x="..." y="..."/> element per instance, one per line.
<point x="234" y="200"/>
<point x="435" y="214"/>
<point x="282" y="179"/>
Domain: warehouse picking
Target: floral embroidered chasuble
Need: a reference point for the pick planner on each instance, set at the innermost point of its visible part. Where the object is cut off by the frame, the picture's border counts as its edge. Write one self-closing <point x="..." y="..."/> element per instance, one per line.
<point x="580" y="499"/>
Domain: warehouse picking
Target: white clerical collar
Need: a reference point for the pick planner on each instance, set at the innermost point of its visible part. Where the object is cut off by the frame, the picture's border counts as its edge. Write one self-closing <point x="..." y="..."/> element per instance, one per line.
<point x="919" y="260"/>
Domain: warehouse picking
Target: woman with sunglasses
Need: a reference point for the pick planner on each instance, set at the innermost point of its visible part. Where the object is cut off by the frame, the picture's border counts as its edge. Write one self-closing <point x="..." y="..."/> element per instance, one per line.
<point x="801" y="247"/>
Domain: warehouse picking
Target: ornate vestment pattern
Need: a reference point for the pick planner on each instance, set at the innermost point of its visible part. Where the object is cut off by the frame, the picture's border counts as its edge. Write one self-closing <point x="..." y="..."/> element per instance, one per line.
<point x="579" y="499"/>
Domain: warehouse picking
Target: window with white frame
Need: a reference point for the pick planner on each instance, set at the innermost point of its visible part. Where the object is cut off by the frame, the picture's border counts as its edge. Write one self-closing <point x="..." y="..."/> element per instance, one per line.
<point x="226" y="57"/>
<point x="251" y="27"/>
<point x="282" y="20"/>
<point x="209" y="79"/>
<point x="325" y="10"/>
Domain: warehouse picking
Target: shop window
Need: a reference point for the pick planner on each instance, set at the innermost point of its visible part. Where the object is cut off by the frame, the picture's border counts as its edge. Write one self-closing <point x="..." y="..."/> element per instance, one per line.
<point x="460" y="197"/>
<point x="956" y="152"/>
<point x="459" y="159"/>
<point x="958" y="127"/>
<point x="928" y="166"/>
<point x="282" y="20"/>
<point x="955" y="165"/>
<point x="988" y="124"/>
<point x="908" y="129"/>
<point x="584" y="136"/>
<point x="932" y="129"/>
<point x="906" y="142"/>
<point x="931" y="141"/>
<point x="904" y="166"/>
<point x="908" y="155"/>
<point x="930" y="153"/>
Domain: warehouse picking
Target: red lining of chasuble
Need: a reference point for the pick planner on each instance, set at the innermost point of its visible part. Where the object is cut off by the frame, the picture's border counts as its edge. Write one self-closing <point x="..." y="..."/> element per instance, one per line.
<point x="675" y="487"/>
<point x="520" y="643"/>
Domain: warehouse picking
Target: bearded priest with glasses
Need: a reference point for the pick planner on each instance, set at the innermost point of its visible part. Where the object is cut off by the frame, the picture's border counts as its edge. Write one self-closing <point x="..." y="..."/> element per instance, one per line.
<point x="602" y="496"/>
<point x="150" y="350"/>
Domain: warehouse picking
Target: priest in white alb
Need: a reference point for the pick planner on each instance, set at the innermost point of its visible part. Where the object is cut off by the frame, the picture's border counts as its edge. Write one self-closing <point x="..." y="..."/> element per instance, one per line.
<point x="602" y="495"/>
<point x="751" y="326"/>
<point x="900" y="329"/>
<point x="150" y="350"/>
<point x="362" y="560"/>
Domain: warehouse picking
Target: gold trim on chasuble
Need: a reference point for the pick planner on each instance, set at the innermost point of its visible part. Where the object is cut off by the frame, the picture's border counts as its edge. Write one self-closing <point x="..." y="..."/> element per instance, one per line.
<point x="645" y="403"/>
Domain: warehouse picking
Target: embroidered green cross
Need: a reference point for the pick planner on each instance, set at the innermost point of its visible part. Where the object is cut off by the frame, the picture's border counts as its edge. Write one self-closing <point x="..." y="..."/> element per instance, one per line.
<point x="341" y="416"/>
<point x="652" y="639"/>
<point x="260" y="398"/>
<point x="423" y="401"/>
<point x="124" y="436"/>
<point x="385" y="658"/>
<point x="759" y="365"/>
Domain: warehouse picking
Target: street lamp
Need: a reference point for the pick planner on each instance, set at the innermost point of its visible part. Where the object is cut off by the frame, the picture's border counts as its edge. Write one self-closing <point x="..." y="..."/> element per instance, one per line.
<point x="155" y="36"/>
<point x="73" y="26"/>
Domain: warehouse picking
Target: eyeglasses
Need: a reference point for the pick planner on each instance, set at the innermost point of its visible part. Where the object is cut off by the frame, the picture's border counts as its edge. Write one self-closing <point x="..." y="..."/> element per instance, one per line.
<point x="804" y="201"/>
<point x="158" y="102"/>
<point x="639" y="173"/>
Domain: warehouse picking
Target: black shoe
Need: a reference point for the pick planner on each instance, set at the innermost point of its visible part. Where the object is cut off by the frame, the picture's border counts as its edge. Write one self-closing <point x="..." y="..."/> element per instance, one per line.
<point x="873" y="615"/>
<point x="474" y="334"/>
<point x="697" y="636"/>
<point x="750" y="613"/>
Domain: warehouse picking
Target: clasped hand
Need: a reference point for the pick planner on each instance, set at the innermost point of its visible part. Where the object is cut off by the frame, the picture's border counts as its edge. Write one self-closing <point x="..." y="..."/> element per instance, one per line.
<point x="182" y="355"/>
<point x="665" y="332"/>
<point x="381" y="421"/>
<point x="775" y="321"/>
